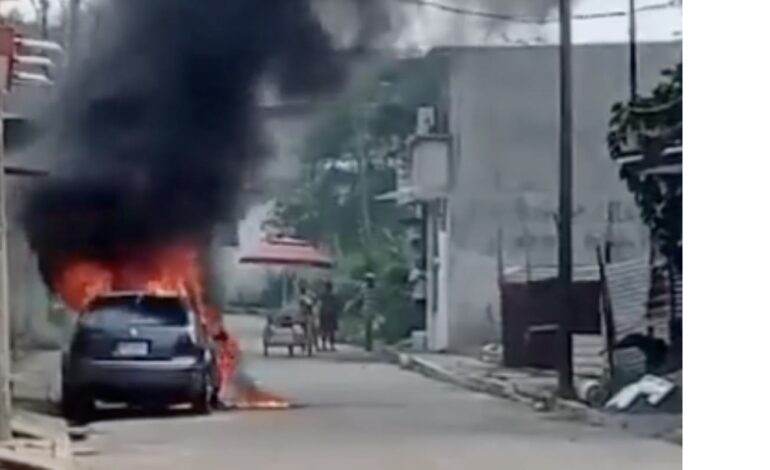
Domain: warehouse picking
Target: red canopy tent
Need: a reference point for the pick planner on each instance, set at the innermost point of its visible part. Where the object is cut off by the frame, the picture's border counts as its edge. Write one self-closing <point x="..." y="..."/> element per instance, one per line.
<point x="288" y="252"/>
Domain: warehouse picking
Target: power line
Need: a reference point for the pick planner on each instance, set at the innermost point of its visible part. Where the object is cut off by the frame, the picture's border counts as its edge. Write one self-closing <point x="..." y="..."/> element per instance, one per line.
<point x="524" y="20"/>
<point x="470" y="12"/>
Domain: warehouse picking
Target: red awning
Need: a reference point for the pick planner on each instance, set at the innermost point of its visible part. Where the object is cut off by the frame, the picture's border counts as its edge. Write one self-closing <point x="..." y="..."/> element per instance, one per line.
<point x="288" y="251"/>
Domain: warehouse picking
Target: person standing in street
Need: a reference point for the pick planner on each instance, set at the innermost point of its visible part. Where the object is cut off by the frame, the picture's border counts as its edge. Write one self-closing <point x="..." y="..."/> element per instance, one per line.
<point x="365" y="302"/>
<point x="368" y="311"/>
<point x="307" y="315"/>
<point x="329" y="317"/>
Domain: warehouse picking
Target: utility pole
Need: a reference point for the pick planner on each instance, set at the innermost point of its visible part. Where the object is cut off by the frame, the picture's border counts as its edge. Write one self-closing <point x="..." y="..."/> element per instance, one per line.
<point x="566" y="388"/>
<point x="45" y="9"/>
<point x="360" y="127"/>
<point x="74" y="26"/>
<point x="6" y="56"/>
<point x="633" y="64"/>
<point x="5" y="321"/>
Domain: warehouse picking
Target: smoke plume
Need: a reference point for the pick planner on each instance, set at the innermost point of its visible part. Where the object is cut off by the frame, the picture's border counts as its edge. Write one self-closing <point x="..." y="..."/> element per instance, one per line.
<point x="156" y="126"/>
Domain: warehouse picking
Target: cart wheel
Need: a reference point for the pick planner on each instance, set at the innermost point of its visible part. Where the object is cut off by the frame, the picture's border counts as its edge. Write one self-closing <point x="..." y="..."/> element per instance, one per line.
<point x="291" y="351"/>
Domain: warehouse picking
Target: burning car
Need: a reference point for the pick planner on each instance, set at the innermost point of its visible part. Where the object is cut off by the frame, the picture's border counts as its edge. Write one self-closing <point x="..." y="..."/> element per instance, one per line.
<point x="141" y="349"/>
<point x="152" y="139"/>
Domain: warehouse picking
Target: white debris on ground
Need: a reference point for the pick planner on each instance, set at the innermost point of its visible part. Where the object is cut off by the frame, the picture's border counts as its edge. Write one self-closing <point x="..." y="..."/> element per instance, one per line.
<point x="492" y="353"/>
<point x="650" y="389"/>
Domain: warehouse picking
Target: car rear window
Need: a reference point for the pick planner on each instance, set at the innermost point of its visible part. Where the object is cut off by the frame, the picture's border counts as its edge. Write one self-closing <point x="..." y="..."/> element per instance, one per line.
<point x="135" y="311"/>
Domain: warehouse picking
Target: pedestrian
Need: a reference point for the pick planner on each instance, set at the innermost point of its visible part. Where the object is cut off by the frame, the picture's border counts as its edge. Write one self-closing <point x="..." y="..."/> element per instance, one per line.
<point x="329" y="317"/>
<point x="364" y="301"/>
<point x="307" y="315"/>
<point x="368" y="311"/>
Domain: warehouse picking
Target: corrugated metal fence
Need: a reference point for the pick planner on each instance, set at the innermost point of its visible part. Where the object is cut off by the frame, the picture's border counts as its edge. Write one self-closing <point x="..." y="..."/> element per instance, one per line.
<point x="641" y="299"/>
<point x="645" y="299"/>
<point x="628" y="285"/>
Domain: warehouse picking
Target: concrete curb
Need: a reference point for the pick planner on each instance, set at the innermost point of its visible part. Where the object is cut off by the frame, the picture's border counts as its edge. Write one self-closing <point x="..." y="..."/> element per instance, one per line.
<point x="490" y="387"/>
<point x="675" y="437"/>
<point x="502" y="389"/>
<point x="542" y="401"/>
<point x="40" y="442"/>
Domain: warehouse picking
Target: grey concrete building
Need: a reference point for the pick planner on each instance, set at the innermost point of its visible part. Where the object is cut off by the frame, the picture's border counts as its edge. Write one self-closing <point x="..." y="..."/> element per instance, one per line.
<point x="501" y="115"/>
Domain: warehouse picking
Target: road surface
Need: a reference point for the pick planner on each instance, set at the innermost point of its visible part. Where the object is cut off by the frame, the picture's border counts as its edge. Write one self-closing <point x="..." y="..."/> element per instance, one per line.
<point x="358" y="414"/>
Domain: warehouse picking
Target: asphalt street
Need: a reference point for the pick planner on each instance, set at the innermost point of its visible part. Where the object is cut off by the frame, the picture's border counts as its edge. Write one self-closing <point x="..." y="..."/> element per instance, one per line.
<point x="356" y="413"/>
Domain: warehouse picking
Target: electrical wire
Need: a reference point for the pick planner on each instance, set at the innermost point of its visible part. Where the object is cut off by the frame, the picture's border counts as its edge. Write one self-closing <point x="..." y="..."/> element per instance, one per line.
<point x="470" y="12"/>
<point x="523" y="20"/>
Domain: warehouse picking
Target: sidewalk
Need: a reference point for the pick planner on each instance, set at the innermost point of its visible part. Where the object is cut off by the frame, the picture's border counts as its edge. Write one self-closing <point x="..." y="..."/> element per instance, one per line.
<point x="535" y="388"/>
<point x="41" y="440"/>
<point x="35" y="377"/>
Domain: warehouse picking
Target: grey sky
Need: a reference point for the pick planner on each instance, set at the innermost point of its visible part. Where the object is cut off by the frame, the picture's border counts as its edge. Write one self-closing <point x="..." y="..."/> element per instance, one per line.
<point x="426" y="27"/>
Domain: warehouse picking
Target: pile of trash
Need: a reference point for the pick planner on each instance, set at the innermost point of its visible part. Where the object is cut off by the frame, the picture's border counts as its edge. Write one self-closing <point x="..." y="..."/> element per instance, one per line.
<point x="649" y="394"/>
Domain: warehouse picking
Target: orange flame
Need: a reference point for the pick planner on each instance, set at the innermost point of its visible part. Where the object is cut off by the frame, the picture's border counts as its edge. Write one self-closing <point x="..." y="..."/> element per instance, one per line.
<point x="168" y="271"/>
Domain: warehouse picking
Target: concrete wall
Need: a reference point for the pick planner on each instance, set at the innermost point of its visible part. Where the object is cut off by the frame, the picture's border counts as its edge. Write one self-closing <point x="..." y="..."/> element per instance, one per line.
<point x="503" y="115"/>
<point x="31" y="315"/>
<point x="29" y="300"/>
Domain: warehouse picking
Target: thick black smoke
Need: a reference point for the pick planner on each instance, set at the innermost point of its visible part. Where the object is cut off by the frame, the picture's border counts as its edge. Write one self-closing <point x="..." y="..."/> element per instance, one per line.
<point x="155" y="127"/>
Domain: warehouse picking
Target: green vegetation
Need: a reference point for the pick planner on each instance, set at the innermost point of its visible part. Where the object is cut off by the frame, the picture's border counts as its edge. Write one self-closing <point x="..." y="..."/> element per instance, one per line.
<point x="350" y="159"/>
<point x="653" y="123"/>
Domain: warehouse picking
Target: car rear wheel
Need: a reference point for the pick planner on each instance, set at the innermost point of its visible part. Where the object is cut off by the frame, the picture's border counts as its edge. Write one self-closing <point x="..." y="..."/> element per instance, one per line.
<point x="216" y="404"/>
<point x="77" y="406"/>
<point x="205" y="397"/>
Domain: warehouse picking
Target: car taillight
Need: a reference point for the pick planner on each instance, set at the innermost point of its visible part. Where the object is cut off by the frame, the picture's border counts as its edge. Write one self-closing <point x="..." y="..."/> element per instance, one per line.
<point x="187" y="344"/>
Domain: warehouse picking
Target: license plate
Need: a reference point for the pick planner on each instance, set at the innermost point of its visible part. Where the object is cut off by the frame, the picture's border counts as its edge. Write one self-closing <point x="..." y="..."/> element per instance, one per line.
<point x="132" y="349"/>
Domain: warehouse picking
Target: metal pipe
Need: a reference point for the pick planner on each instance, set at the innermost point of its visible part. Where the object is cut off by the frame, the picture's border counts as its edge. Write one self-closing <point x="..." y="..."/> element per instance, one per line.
<point x="566" y="388"/>
<point x="5" y="321"/>
<point x="35" y="60"/>
<point x="633" y="60"/>
<point x="43" y="45"/>
<point x="74" y="26"/>
<point x="29" y="78"/>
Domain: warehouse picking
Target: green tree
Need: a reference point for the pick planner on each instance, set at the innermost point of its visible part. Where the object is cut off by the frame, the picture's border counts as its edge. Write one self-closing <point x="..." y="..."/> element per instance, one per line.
<point x="350" y="159"/>
<point x="649" y="125"/>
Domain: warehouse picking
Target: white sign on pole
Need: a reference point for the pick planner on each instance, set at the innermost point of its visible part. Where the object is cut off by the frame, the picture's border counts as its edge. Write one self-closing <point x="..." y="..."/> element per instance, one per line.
<point x="426" y="120"/>
<point x="430" y="172"/>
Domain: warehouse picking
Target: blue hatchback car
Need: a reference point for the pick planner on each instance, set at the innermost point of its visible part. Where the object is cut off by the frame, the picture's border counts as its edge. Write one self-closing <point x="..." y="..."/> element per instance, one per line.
<point x="141" y="350"/>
